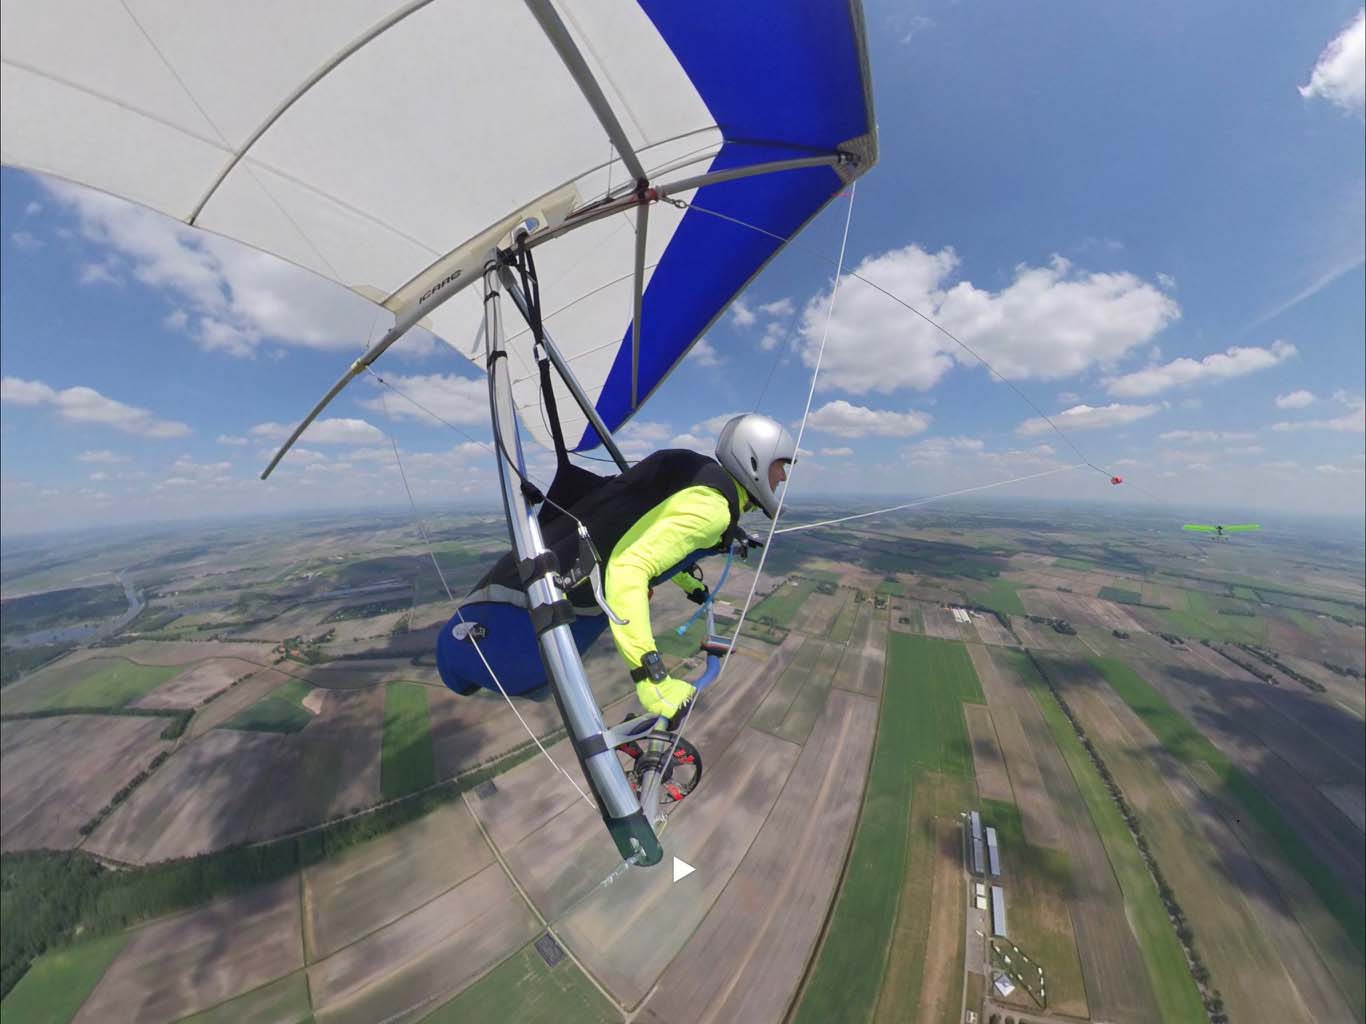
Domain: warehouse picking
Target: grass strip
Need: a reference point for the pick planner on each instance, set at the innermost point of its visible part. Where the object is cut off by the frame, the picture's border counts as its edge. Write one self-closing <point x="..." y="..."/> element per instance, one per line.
<point x="407" y="762"/>
<point x="1184" y="742"/>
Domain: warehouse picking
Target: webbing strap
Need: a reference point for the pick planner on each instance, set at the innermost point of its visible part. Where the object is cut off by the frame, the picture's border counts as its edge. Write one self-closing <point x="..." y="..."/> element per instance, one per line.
<point x="545" y="617"/>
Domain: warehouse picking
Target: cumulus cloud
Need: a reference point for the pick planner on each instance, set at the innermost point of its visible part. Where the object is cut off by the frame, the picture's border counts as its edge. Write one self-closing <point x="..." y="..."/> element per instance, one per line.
<point x="777" y="308"/>
<point x="837" y="453"/>
<point x="1087" y="417"/>
<point x="1049" y="322"/>
<point x="1340" y="74"/>
<point x="455" y="399"/>
<point x="102" y="456"/>
<point x="846" y="420"/>
<point x="1234" y="362"/>
<point x="1352" y="422"/>
<point x="86" y="405"/>
<point x="942" y="449"/>
<point x="231" y="439"/>
<point x="1205" y="436"/>
<point x="324" y="431"/>
<point x="713" y="426"/>
<point x="704" y="354"/>
<point x="25" y="241"/>
<point x="233" y="298"/>
<point x="742" y="314"/>
<point x="1295" y="400"/>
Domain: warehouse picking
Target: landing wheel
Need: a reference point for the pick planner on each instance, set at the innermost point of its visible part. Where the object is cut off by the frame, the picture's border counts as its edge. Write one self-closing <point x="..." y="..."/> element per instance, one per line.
<point x="681" y="776"/>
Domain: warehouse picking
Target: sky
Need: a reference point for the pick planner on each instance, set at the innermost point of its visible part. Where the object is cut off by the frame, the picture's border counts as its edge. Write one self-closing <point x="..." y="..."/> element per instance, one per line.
<point x="1148" y="218"/>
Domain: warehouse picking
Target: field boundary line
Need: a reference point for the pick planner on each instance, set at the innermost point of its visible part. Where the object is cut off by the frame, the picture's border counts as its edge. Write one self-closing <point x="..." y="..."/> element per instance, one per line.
<point x="536" y="912"/>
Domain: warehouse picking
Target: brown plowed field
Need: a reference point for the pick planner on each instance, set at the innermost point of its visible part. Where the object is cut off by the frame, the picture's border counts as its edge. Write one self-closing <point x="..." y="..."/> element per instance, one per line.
<point x="1117" y="986"/>
<point x="987" y="762"/>
<point x="1010" y="704"/>
<point x="941" y="984"/>
<point x="60" y="771"/>
<point x="401" y="971"/>
<point x="230" y="787"/>
<point x="1256" y="726"/>
<point x="626" y="933"/>
<point x="746" y="959"/>
<point x="195" y="685"/>
<point x="940" y="622"/>
<point x="198" y="959"/>
<point x="864" y="662"/>
<point x="372" y="884"/>
<point x="1200" y="856"/>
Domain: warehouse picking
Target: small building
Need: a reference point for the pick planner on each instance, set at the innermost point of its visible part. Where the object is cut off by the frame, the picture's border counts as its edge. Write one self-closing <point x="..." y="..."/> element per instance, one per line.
<point x="998" y="911"/>
<point x="960" y="615"/>
<point x="977" y="857"/>
<point x="993" y="854"/>
<point x="1003" y="985"/>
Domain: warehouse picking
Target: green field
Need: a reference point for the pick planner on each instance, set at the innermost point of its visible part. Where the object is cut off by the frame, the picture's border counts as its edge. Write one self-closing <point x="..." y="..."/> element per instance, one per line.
<point x="1191" y="747"/>
<point x="1201" y="619"/>
<point x="821" y="575"/>
<point x="891" y="587"/>
<point x="779" y="607"/>
<point x="285" y="999"/>
<point x="407" y="763"/>
<point x="1177" y="996"/>
<point x="97" y="683"/>
<point x="1120" y="596"/>
<point x="282" y="710"/>
<point x="1039" y="922"/>
<point x="540" y="994"/>
<point x="58" y="982"/>
<point x="1003" y="596"/>
<point x="921" y="730"/>
<point x="1075" y="564"/>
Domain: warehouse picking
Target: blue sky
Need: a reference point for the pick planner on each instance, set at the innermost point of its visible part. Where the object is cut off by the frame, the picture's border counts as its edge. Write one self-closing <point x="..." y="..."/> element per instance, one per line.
<point x="1149" y="217"/>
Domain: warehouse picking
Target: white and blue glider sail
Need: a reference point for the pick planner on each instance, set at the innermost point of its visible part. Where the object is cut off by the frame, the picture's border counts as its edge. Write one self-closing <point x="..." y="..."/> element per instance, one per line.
<point x="387" y="146"/>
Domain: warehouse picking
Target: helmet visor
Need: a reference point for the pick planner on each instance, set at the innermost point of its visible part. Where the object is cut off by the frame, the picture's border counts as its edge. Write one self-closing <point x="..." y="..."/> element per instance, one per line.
<point x="777" y="473"/>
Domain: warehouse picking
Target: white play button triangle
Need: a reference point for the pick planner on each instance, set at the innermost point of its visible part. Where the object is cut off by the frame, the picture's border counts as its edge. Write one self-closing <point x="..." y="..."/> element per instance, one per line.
<point x="682" y="869"/>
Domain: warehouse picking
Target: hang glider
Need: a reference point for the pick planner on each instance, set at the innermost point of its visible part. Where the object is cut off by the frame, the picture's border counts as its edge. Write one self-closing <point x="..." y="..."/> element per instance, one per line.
<point x="415" y="152"/>
<point x="1219" y="530"/>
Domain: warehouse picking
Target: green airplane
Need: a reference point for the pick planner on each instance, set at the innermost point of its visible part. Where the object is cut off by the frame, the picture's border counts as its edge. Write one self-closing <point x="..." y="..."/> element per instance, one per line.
<point x="1219" y="530"/>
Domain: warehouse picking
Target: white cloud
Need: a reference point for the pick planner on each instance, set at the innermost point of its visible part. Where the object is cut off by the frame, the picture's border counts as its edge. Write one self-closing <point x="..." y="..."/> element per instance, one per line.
<point x="1167" y="281"/>
<point x="713" y="426"/>
<point x="1086" y="417"/>
<point x="836" y="453"/>
<point x="32" y="208"/>
<point x="1068" y="398"/>
<point x="1234" y="362"/>
<point x="1352" y="422"/>
<point x="1050" y="322"/>
<point x="777" y="308"/>
<point x="104" y="272"/>
<point x="1340" y="74"/>
<point x="845" y="420"/>
<point x="742" y="314"/>
<point x="102" y="456"/>
<point x="86" y="405"/>
<point x="235" y="298"/>
<point x="233" y="440"/>
<point x="942" y="449"/>
<point x="176" y="320"/>
<point x="25" y="241"/>
<point x="1205" y="436"/>
<point x="455" y="399"/>
<point x="99" y="476"/>
<point x="1295" y="400"/>
<point x="326" y="431"/>
<point x="705" y="445"/>
<point x="704" y="354"/>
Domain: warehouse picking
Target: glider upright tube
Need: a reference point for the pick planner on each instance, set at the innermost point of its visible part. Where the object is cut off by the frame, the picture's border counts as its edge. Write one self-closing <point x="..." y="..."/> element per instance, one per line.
<point x="630" y="829"/>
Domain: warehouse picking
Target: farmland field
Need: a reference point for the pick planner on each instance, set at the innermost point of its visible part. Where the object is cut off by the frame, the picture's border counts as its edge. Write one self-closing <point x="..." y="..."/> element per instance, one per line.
<point x="1177" y="996"/>
<point x="282" y="710"/>
<point x="407" y="762"/>
<point x="921" y="732"/>
<point x="780" y="606"/>
<point x="57" y="983"/>
<point x="1193" y="749"/>
<point x="542" y="995"/>
<point x="1120" y="595"/>
<point x="104" y="682"/>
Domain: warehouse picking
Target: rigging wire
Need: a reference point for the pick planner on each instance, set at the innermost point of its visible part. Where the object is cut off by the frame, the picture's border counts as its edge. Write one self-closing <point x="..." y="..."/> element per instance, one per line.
<point x="937" y="497"/>
<point x="431" y="551"/>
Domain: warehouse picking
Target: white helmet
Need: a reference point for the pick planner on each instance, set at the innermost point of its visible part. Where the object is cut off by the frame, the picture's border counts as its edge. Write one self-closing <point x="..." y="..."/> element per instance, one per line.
<point x="748" y="446"/>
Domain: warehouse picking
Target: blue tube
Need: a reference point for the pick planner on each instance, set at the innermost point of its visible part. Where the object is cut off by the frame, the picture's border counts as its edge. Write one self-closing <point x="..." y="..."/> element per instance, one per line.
<point x="709" y="674"/>
<point x="703" y="607"/>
